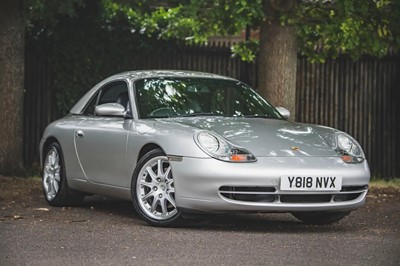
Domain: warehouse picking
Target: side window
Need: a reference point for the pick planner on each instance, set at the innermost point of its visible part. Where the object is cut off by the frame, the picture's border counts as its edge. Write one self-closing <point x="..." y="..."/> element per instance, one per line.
<point x="115" y="92"/>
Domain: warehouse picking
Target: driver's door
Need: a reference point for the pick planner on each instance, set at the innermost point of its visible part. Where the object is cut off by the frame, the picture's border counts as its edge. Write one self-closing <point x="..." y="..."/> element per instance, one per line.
<point x="101" y="141"/>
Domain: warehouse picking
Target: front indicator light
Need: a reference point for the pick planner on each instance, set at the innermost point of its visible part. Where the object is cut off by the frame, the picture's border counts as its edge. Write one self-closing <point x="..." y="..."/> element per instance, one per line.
<point x="347" y="158"/>
<point x="239" y="158"/>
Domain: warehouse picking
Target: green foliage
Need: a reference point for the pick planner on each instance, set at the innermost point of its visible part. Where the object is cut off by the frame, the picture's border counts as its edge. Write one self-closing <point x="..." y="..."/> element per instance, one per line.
<point x="344" y="26"/>
<point x="191" y="20"/>
<point x="44" y="14"/>
<point x="324" y="28"/>
<point x="247" y="50"/>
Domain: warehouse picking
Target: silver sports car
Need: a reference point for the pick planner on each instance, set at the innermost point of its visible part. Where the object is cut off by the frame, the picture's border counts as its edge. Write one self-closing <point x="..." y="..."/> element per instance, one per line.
<point x="176" y="142"/>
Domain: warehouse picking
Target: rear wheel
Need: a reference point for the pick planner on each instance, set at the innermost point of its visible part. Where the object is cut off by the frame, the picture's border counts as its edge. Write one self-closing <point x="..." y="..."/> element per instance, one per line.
<point x="153" y="190"/>
<point x="320" y="218"/>
<point x="55" y="186"/>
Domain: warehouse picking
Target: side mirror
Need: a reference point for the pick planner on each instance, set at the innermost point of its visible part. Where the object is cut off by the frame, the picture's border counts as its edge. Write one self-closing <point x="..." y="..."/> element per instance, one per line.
<point x="284" y="112"/>
<point x="110" y="109"/>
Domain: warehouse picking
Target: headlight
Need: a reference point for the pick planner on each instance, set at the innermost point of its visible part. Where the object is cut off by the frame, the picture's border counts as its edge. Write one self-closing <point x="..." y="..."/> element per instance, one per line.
<point x="348" y="149"/>
<point x="219" y="148"/>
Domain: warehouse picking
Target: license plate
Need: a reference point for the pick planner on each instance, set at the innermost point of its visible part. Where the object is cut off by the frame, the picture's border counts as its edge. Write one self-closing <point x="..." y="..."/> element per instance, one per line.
<point x="311" y="183"/>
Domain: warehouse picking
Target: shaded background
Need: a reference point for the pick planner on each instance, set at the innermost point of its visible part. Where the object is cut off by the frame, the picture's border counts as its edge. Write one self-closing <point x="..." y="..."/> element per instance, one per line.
<point x="359" y="97"/>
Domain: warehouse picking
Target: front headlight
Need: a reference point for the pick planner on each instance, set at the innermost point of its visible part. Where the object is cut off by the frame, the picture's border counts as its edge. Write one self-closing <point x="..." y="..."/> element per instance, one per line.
<point x="348" y="149"/>
<point x="219" y="148"/>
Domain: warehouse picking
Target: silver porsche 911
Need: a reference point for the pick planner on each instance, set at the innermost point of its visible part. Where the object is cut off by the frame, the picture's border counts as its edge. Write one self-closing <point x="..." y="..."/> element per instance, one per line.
<point x="176" y="142"/>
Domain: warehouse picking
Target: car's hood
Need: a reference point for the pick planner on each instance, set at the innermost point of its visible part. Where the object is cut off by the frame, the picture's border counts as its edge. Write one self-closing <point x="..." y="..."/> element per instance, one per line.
<point x="264" y="137"/>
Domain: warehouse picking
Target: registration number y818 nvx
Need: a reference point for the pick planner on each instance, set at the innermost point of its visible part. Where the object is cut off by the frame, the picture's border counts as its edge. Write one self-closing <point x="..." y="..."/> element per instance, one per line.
<point x="305" y="183"/>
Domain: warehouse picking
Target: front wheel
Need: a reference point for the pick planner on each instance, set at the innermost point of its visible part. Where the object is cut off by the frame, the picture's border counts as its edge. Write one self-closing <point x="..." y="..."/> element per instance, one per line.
<point x="153" y="190"/>
<point x="320" y="218"/>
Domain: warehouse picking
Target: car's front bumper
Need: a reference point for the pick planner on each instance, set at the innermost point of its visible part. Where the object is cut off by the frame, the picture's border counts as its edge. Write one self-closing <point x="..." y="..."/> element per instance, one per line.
<point x="214" y="186"/>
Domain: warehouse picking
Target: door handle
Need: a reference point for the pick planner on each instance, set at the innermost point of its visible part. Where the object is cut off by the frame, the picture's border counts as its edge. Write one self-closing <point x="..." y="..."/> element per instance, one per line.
<point x="79" y="133"/>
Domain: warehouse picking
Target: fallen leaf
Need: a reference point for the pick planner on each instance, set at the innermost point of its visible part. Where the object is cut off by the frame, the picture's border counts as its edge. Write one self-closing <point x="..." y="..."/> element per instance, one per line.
<point x="17" y="217"/>
<point x="42" y="209"/>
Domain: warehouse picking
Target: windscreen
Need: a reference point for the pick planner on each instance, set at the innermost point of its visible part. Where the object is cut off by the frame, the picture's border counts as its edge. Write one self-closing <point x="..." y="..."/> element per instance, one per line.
<point x="179" y="97"/>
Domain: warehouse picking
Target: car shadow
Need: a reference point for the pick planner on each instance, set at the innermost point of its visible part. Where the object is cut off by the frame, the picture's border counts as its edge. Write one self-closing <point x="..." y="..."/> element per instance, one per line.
<point x="249" y="222"/>
<point x="259" y="222"/>
<point x="109" y="205"/>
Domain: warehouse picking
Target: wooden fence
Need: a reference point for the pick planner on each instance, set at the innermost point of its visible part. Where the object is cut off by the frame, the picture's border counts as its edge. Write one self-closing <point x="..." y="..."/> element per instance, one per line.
<point x="359" y="97"/>
<point x="39" y="102"/>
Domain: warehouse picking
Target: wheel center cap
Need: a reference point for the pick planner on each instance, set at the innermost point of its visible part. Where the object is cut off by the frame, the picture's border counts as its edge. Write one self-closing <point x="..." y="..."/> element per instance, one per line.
<point x="162" y="187"/>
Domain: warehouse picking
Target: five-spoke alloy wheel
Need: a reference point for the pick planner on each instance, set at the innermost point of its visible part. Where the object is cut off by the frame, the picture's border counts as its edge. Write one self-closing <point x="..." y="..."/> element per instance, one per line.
<point x="153" y="190"/>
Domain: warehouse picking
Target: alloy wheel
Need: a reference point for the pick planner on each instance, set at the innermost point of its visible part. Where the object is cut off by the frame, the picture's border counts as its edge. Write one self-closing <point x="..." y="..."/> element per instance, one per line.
<point x="51" y="174"/>
<point x="155" y="189"/>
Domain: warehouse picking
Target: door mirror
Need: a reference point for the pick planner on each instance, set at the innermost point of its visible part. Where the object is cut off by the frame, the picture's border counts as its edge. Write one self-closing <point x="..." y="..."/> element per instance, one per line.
<point x="284" y="112"/>
<point x="110" y="109"/>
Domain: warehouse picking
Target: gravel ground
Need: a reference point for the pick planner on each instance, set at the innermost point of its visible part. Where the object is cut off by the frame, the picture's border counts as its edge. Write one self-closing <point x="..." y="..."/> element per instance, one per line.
<point x="109" y="232"/>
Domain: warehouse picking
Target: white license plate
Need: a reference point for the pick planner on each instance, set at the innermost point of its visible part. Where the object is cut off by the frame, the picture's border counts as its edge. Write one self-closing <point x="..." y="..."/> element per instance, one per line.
<point x="311" y="183"/>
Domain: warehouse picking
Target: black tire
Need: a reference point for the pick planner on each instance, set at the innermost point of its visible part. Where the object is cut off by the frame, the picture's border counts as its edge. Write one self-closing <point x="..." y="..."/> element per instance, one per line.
<point x="55" y="186"/>
<point x="155" y="202"/>
<point x="320" y="218"/>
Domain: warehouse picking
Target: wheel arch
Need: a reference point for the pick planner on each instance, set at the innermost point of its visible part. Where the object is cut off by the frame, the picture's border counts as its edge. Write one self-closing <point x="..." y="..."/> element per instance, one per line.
<point x="146" y="148"/>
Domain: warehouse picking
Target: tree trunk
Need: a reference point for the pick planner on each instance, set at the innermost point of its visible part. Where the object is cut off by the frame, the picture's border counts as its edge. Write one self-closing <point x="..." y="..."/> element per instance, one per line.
<point x="12" y="53"/>
<point x="278" y="60"/>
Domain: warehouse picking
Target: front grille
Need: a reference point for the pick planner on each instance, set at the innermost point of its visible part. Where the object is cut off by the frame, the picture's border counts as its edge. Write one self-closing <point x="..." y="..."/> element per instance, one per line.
<point x="249" y="194"/>
<point x="272" y="194"/>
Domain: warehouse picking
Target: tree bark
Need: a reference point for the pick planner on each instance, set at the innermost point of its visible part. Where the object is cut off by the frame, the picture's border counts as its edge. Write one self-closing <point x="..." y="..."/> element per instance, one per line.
<point x="12" y="57"/>
<point x="278" y="58"/>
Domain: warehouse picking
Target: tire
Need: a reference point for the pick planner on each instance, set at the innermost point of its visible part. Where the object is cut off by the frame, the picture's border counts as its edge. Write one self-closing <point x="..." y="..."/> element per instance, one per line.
<point x="54" y="181"/>
<point x="320" y="218"/>
<point x="153" y="191"/>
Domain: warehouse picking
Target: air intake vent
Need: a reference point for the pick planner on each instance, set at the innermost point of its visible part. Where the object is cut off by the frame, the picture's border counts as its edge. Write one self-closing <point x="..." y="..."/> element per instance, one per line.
<point x="251" y="194"/>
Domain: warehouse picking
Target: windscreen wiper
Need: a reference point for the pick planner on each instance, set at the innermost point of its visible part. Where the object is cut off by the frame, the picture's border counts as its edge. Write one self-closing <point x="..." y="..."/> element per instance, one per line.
<point x="261" y="116"/>
<point x="200" y="114"/>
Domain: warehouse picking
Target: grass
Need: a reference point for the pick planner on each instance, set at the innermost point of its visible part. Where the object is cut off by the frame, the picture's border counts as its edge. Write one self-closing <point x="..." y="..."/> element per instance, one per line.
<point x="380" y="183"/>
<point x="15" y="188"/>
